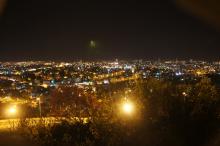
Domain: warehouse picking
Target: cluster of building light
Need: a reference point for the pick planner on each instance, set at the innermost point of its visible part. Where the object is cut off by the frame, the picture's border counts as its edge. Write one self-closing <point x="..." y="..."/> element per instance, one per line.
<point x="37" y="78"/>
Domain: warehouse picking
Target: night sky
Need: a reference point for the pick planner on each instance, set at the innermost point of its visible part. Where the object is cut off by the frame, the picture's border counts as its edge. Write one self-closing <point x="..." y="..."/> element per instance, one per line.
<point x="62" y="30"/>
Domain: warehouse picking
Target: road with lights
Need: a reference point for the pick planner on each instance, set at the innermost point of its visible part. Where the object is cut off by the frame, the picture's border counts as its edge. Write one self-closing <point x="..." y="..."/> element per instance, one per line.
<point x="127" y="108"/>
<point x="10" y="124"/>
<point x="13" y="123"/>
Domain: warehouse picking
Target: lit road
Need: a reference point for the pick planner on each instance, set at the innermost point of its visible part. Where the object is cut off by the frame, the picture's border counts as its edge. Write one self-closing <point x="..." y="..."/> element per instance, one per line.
<point x="8" y="124"/>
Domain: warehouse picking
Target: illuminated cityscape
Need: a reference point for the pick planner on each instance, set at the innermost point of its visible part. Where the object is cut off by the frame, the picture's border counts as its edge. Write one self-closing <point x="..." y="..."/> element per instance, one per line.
<point x="128" y="94"/>
<point x="33" y="83"/>
<point x="109" y="73"/>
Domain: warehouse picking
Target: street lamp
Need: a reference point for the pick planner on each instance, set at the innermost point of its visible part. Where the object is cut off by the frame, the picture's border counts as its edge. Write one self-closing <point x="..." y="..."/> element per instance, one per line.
<point x="12" y="110"/>
<point x="127" y="108"/>
<point x="39" y="103"/>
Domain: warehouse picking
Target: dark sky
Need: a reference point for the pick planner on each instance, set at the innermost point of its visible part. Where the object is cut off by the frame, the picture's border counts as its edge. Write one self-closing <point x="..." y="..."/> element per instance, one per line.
<point x="62" y="30"/>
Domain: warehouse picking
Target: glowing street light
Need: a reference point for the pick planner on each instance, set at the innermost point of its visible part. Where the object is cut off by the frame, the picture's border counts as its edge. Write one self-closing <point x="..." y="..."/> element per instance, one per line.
<point x="12" y="111"/>
<point x="128" y="108"/>
<point x="44" y="85"/>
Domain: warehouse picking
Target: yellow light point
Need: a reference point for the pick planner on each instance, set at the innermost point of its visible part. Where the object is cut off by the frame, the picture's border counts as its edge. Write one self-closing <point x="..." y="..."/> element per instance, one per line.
<point x="12" y="110"/>
<point x="45" y="85"/>
<point x="128" y="108"/>
<point x="18" y="73"/>
<point x="184" y="94"/>
<point x="199" y="72"/>
<point x="61" y="65"/>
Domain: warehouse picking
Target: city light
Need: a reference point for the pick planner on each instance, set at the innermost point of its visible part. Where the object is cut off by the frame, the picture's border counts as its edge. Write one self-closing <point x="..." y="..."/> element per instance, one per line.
<point x="12" y="110"/>
<point x="45" y="85"/>
<point x="128" y="107"/>
<point x="39" y="103"/>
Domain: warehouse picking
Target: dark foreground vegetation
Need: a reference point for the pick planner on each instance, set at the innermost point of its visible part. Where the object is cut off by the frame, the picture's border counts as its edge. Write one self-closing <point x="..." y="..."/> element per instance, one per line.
<point x="166" y="114"/>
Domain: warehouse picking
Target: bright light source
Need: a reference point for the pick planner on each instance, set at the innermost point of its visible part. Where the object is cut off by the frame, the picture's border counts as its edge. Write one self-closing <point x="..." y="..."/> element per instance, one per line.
<point x="44" y="85"/>
<point x="184" y="94"/>
<point x="12" y="110"/>
<point x="128" y="108"/>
